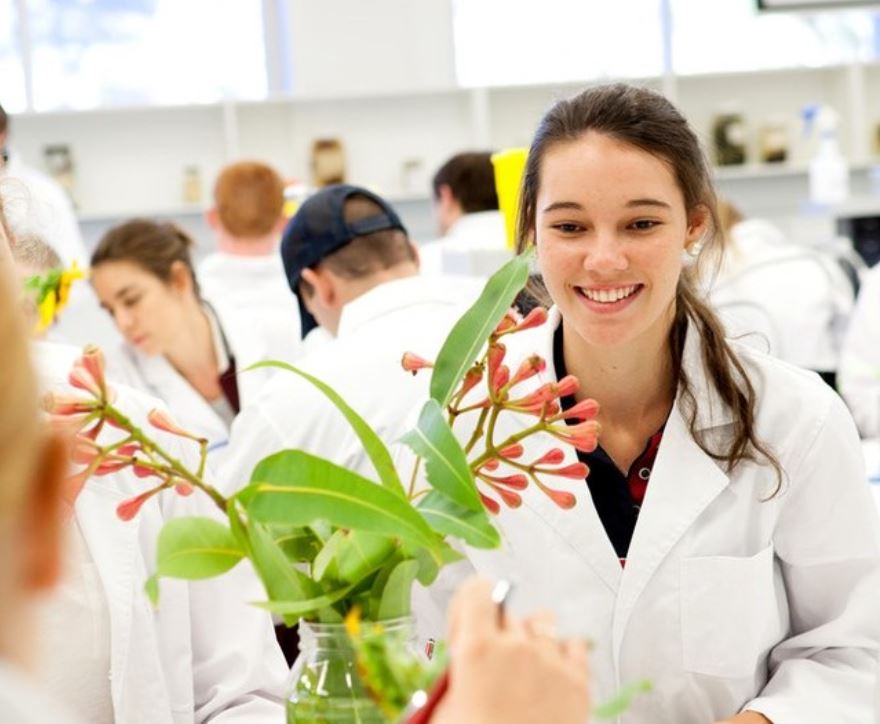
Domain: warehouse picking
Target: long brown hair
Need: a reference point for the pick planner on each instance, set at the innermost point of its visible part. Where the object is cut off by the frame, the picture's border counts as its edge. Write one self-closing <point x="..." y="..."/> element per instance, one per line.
<point x="648" y="121"/>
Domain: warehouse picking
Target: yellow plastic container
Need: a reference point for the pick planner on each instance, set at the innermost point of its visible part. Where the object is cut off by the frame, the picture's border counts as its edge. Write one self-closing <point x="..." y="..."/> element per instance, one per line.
<point x="509" y="167"/>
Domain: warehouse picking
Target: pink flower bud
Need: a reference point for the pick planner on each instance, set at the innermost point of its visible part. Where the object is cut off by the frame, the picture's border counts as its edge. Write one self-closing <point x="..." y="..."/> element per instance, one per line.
<point x="494" y="358"/>
<point x="82" y="379"/>
<point x="93" y="361"/>
<point x="554" y="456"/>
<point x="512" y="452"/>
<point x="161" y="420"/>
<point x="491" y="505"/>
<point x="562" y="498"/>
<point x="183" y="488"/>
<point x="111" y="465"/>
<point x="471" y="380"/>
<point x="128" y="509"/>
<point x="535" y="318"/>
<point x="59" y="403"/>
<point x="128" y="450"/>
<point x="85" y="450"/>
<point x="517" y="481"/>
<point x="142" y="471"/>
<point x="529" y="368"/>
<point x="583" y="410"/>
<point x="511" y="499"/>
<point x="575" y="471"/>
<point x="413" y="363"/>
<point x="501" y="378"/>
<point x="568" y="385"/>
<point x="507" y="323"/>
<point x="490" y="465"/>
<point x="74" y="484"/>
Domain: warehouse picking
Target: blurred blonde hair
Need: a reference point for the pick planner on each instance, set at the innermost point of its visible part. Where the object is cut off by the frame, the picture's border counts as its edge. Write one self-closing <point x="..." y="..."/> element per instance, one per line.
<point x="20" y="423"/>
<point x="249" y="196"/>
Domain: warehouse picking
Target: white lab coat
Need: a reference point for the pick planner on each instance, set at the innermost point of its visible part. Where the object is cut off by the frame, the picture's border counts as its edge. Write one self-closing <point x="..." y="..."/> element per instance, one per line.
<point x="859" y="376"/>
<point x="726" y="602"/>
<point x="257" y="287"/>
<point x="363" y="365"/>
<point x="23" y="701"/>
<point x="793" y="300"/>
<point x="156" y="376"/>
<point x="475" y="245"/>
<point x="205" y="655"/>
<point x="36" y="204"/>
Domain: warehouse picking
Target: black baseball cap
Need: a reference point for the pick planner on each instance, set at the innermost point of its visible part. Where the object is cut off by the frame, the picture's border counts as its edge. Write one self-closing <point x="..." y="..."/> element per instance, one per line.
<point x="318" y="228"/>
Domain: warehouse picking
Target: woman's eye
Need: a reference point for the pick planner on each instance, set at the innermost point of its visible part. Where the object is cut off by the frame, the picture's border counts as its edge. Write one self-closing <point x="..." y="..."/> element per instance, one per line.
<point x="567" y="228"/>
<point x="644" y="224"/>
<point x="131" y="302"/>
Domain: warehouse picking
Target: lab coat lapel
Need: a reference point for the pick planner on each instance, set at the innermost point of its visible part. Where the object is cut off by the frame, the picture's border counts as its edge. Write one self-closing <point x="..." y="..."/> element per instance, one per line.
<point x="113" y="545"/>
<point x="684" y="481"/>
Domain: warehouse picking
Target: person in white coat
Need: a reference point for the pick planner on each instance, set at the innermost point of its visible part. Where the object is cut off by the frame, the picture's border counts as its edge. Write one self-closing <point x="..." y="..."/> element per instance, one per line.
<point x="859" y="378"/>
<point x="474" y="240"/>
<point x="189" y="353"/>
<point x="246" y="270"/>
<point x="724" y="544"/>
<point x="797" y="299"/>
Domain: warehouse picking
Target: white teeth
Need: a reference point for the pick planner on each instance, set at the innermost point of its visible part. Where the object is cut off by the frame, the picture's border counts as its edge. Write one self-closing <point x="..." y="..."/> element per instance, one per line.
<point x="608" y="296"/>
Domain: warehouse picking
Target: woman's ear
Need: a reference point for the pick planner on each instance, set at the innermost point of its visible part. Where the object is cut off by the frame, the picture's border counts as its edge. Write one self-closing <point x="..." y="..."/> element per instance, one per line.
<point x="698" y="224"/>
<point x="43" y="517"/>
<point x="181" y="277"/>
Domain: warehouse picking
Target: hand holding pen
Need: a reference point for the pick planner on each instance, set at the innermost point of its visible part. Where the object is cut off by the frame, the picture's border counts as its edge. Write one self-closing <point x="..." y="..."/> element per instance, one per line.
<point x="506" y="670"/>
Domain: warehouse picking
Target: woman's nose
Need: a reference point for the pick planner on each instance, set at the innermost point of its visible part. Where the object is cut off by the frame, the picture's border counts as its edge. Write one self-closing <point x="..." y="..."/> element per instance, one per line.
<point x="606" y="253"/>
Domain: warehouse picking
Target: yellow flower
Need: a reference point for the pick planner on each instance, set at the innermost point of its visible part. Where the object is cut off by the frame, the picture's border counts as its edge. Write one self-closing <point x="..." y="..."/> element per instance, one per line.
<point x="68" y="277"/>
<point x="45" y="313"/>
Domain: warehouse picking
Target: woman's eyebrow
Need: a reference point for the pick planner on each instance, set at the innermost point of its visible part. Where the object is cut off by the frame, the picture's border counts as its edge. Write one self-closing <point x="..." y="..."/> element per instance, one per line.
<point x="647" y="202"/>
<point x="563" y="205"/>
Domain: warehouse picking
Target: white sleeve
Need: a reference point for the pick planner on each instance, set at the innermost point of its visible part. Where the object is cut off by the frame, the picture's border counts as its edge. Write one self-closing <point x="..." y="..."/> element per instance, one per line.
<point x="859" y="374"/>
<point x="827" y="540"/>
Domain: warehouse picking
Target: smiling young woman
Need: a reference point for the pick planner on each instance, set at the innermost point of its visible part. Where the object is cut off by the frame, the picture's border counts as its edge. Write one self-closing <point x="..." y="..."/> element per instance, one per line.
<point x="724" y="544"/>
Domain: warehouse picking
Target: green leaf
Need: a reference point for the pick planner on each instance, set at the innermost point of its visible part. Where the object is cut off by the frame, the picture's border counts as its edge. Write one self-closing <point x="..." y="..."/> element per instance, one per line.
<point x="373" y="445"/>
<point x="397" y="596"/>
<point x="449" y="518"/>
<point x="194" y="548"/>
<point x="283" y="581"/>
<point x="470" y="333"/>
<point x="151" y="588"/>
<point x="297" y="488"/>
<point x="362" y="553"/>
<point x="300" y="544"/>
<point x="429" y="567"/>
<point x="445" y="462"/>
<point x="624" y="699"/>
<point x="324" y="565"/>
<point x="309" y="606"/>
<point x="371" y="611"/>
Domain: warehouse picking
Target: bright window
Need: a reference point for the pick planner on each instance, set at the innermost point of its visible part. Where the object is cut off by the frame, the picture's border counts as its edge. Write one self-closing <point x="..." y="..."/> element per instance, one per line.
<point x="121" y="52"/>
<point x="12" y="93"/>
<point x="510" y="42"/>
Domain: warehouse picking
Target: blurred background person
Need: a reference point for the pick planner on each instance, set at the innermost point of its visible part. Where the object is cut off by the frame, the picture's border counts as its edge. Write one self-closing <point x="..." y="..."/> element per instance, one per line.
<point x="178" y="347"/>
<point x="246" y="270"/>
<point x="473" y="240"/>
<point x="788" y="299"/>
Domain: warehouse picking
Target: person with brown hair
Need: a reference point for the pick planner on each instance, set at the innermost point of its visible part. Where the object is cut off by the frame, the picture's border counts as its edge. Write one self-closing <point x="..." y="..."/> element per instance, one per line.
<point x="724" y="545"/>
<point x="178" y="347"/>
<point x="246" y="270"/>
<point x="473" y="239"/>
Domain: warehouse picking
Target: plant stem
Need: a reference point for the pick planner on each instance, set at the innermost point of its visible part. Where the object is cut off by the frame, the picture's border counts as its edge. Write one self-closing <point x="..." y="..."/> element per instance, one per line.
<point x="478" y="431"/>
<point x="412" y="480"/>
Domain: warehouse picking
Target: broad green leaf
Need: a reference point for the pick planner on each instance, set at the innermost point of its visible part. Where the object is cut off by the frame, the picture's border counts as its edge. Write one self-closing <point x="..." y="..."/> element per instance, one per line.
<point x="429" y="567"/>
<point x="297" y="488"/>
<point x="300" y="544"/>
<point x="304" y="608"/>
<point x="373" y="445"/>
<point x="194" y="548"/>
<point x="445" y="462"/>
<point x="624" y="699"/>
<point x="360" y="553"/>
<point x="371" y="611"/>
<point x="397" y="596"/>
<point x="283" y="581"/>
<point x="236" y="525"/>
<point x="151" y="588"/>
<point x="324" y="565"/>
<point x="470" y="333"/>
<point x="449" y="518"/>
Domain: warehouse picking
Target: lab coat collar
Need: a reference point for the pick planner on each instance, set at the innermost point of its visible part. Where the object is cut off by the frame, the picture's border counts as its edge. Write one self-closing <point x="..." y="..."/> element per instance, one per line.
<point x="488" y="222"/>
<point x="390" y="297"/>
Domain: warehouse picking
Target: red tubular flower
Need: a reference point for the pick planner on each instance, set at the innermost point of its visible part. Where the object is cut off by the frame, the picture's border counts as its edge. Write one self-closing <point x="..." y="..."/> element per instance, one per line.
<point x="471" y="380"/>
<point x="491" y="505"/>
<point x="535" y="318"/>
<point x="85" y="450"/>
<point x="59" y="403"/>
<point x="584" y="436"/>
<point x="142" y="471"/>
<point x="554" y="456"/>
<point x="512" y="452"/>
<point x="490" y="465"/>
<point x="112" y="464"/>
<point x="128" y="509"/>
<point x="508" y="323"/>
<point x="529" y="368"/>
<point x="510" y="499"/>
<point x="81" y="378"/>
<point x="128" y="450"/>
<point x="562" y="498"/>
<point x="495" y="357"/>
<point x="183" y="488"/>
<point x="501" y="378"/>
<point x="162" y="421"/>
<point x="517" y="481"/>
<point x="583" y="410"/>
<point x="575" y="471"/>
<point x="93" y="361"/>
<point x="568" y="385"/>
<point x="413" y="363"/>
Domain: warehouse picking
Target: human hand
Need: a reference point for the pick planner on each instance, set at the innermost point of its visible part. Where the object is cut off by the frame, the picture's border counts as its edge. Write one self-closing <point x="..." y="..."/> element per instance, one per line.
<point x="510" y="671"/>
<point x="747" y="717"/>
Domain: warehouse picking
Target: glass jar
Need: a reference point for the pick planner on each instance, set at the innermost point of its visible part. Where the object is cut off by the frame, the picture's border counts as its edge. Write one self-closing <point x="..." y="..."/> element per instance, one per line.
<point x="324" y="685"/>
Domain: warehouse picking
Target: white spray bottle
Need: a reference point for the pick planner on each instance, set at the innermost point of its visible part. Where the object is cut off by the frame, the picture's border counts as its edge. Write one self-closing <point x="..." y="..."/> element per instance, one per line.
<point x="829" y="173"/>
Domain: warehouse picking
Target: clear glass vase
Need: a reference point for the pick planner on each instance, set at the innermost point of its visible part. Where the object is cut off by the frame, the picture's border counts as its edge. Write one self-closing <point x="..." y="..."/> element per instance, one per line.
<point x="324" y="685"/>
